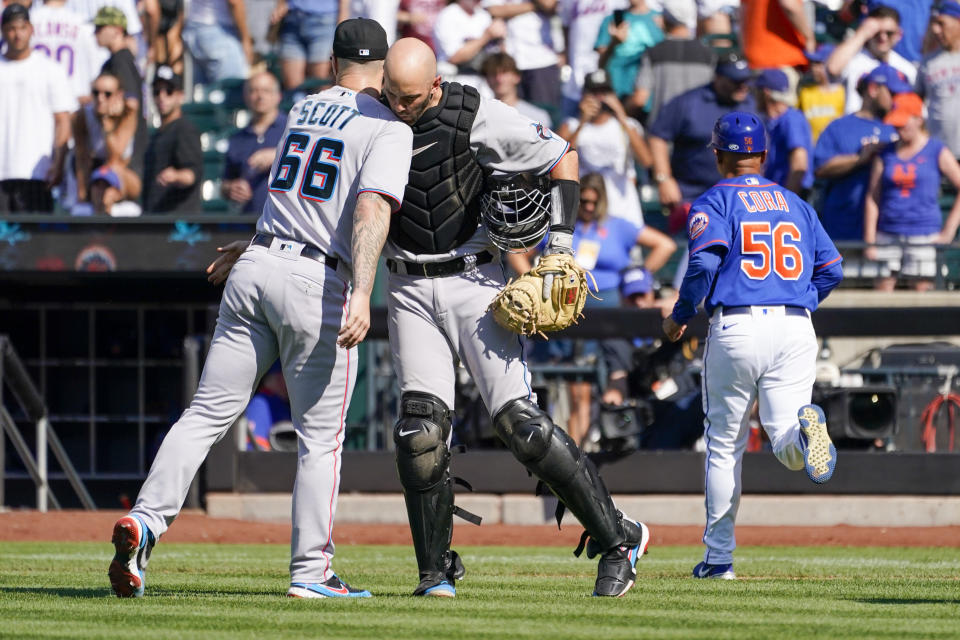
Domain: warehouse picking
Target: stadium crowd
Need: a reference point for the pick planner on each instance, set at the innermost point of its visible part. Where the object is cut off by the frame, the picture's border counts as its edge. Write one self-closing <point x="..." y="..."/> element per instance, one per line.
<point x="99" y="102"/>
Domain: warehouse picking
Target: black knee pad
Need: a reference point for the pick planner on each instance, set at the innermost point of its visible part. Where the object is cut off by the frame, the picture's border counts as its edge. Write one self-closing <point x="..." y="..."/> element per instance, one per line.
<point x="536" y="442"/>
<point x="421" y="438"/>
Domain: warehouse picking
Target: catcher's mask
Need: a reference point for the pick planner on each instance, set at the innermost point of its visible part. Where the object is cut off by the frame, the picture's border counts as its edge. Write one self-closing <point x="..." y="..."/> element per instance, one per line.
<point x="516" y="211"/>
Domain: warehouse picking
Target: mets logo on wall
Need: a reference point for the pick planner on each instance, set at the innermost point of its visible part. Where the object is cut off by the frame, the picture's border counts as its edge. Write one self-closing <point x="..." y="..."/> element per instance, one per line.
<point x="697" y="224"/>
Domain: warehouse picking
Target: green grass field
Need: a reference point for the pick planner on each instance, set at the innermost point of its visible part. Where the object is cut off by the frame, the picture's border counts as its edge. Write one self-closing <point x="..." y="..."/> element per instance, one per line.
<point x="52" y="590"/>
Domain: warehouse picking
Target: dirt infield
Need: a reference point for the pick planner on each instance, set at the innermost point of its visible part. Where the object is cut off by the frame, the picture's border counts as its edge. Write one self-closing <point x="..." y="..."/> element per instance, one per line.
<point x="194" y="526"/>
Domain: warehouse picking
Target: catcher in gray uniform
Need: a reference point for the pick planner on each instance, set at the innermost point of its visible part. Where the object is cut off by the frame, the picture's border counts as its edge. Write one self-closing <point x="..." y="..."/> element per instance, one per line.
<point x="442" y="254"/>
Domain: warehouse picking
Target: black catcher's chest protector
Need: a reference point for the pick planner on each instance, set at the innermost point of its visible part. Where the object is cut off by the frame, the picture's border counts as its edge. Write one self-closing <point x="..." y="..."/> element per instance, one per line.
<point x="441" y="205"/>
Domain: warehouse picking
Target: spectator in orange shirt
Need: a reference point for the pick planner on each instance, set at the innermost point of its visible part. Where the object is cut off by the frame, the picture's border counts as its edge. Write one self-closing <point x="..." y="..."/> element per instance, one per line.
<point x="776" y="33"/>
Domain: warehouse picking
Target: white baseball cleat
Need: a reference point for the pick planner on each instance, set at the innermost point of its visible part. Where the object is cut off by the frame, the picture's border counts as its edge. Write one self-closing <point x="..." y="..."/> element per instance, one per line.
<point x="332" y="588"/>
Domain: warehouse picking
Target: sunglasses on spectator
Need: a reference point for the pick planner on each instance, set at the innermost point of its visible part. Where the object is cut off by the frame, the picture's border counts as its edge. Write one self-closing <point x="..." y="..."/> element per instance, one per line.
<point x="889" y="34"/>
<point x="106" y="94"/>
<point x="588" y="201"/>
<point x="167" y="90"/>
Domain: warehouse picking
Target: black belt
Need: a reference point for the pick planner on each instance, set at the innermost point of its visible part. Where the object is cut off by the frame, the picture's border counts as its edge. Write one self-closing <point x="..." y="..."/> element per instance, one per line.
<point x="439" y="269"/>
<point x="308" y="251"/>
<point x="787" y="310"/>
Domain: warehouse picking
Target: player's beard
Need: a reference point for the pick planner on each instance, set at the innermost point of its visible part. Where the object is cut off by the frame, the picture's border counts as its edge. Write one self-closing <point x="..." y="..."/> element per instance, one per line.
<point x="415" y="111"/>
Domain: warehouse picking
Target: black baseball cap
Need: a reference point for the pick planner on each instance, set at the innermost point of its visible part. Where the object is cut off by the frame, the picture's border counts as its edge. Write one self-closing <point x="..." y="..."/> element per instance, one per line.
<point x="360" y="39"/>
<point x="166" y="75"/>
<point x="14" y="12"/>
<point x="597" y="82"/>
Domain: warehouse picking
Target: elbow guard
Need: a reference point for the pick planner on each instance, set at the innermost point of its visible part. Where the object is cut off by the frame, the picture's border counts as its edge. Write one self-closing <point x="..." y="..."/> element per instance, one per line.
<point x="564" y="202"/>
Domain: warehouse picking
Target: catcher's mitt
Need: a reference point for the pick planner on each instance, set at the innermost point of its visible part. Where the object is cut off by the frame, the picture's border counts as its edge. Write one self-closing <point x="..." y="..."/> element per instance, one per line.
<point x="527" y="305"/>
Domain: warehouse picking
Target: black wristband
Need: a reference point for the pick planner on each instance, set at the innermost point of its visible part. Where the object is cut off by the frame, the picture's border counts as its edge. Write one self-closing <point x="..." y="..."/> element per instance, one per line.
<point x="564" y="202"/>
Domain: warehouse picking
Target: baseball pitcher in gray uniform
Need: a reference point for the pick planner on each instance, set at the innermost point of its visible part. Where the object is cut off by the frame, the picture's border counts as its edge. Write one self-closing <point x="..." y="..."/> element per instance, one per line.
<point x="444" y="272"/>
<point x="300" y="292"/>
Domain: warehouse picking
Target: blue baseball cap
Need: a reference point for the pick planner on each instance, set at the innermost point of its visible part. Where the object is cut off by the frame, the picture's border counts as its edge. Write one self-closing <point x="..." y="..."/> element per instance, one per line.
<point x="635" y="280"/>
<point x="773" y="79"/>
<point x="947" y="8"/>
<point x="734" y="67"/>
<point x="886" y="75"/>
<point x="105" y="174"/>
<point x="822" y="53"/>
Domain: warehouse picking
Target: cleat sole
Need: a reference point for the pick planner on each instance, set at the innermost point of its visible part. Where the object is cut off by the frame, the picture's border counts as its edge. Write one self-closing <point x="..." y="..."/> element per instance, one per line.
<point x="819" y="455"/>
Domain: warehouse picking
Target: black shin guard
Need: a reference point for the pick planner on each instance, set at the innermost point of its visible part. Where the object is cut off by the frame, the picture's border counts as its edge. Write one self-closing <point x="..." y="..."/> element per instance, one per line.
<point x="549" y="453"/>
<point x="423" y="462"/>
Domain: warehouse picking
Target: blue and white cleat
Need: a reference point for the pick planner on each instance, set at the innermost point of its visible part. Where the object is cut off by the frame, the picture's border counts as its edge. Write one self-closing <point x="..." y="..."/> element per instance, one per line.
<point x="714" y="571"/>
<point x="133" y="542"/>
<point x="332" y="588"/>
<point x="819" y="454"/>
<point x="617" y="569"/>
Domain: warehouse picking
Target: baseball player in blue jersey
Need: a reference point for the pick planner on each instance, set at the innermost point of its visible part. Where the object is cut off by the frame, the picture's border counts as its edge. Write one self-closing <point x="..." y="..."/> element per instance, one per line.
<point x="763" y="262"/>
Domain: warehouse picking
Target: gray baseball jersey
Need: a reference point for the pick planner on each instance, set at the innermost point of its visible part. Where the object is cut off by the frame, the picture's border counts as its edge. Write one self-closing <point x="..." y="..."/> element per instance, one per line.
<point x="329" y="137"/>
<point x="278" y="303"/>
<point x="505" y="142"/>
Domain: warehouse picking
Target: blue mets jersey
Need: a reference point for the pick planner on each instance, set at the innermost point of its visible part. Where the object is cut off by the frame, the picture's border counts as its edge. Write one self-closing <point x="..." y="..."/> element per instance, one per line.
<point x="771" y="248"/>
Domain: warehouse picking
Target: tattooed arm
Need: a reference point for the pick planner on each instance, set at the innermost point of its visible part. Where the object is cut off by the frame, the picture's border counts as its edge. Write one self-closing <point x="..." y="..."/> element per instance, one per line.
<point x="371" y="222"/>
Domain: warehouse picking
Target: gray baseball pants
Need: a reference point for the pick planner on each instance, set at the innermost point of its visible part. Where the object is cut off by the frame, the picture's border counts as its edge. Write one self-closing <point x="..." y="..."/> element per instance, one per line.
<point x="436" y="322"/>
<point x="275" y="303"/>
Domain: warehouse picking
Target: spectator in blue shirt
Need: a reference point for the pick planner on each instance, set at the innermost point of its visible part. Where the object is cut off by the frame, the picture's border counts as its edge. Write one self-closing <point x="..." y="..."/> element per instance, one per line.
<point x="846" y="149"/>
<point x="603" y="242"/>
<point x="790" y="143"/>
<point x="252" y="149"/>
<point x="603" y="245"/>
<point x="687" y="122"/>
<point x="902" y="206"/>
<point x="623" y="38"/>
<point x="268" y="406"/>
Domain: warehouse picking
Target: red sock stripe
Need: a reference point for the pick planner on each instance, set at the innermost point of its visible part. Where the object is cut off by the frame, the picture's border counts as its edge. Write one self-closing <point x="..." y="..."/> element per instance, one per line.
<point x="336" y="472"/>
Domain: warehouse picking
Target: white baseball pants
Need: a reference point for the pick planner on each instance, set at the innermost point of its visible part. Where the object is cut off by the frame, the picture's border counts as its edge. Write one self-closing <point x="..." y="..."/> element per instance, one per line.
<point x="275" y="303"/>
<point x="766" y="356"/>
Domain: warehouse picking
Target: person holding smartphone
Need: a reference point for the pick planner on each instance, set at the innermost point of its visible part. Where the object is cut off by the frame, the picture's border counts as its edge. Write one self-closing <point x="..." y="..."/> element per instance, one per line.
<point x="609" y="143"/>
<point x="624" y="36"/>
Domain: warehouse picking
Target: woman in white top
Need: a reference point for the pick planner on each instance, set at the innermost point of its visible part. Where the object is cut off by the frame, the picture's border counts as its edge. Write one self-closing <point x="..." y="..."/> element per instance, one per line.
<point x="609" y="143"/>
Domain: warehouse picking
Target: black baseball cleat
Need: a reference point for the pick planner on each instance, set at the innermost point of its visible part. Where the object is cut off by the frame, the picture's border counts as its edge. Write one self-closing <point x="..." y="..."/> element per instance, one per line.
<point x="617" y="572"/>
<point x="440" y="588"/>
<point x="443" y="586"/>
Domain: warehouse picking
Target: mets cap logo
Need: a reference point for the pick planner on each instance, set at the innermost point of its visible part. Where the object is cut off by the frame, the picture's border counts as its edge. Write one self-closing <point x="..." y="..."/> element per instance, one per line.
<point x="697" y="224"/>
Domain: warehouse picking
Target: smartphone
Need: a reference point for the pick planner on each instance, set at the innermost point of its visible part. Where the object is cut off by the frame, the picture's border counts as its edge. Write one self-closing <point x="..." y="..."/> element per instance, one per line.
<point x="618" y="16"/>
